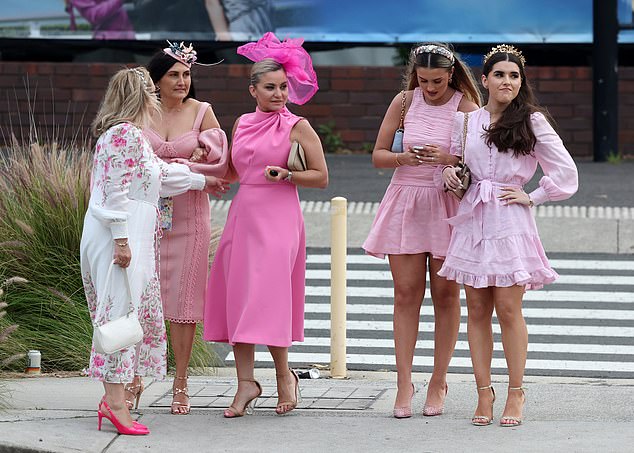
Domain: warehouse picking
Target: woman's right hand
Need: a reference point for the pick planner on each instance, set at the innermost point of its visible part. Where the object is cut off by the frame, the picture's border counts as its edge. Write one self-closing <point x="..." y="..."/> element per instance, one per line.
<point x="449" y="178"/>
<point x="216" y="186"/>
<point x="199" y="155"/>
<point x="122" y="253"/>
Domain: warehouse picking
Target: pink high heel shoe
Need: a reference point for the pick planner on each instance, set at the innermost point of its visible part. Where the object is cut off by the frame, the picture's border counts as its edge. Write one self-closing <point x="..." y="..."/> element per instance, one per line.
<point x="405" y="411"/>
<point x="137" y="429"/>
<point x="432" y="411"/>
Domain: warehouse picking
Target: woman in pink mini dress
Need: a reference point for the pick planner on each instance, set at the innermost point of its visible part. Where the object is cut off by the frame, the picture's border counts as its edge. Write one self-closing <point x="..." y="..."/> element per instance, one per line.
<point x="410" y="225"/>
<point x="495" y="250"/>
<point x="185" y="131"/>
<point x="256" y="284"/>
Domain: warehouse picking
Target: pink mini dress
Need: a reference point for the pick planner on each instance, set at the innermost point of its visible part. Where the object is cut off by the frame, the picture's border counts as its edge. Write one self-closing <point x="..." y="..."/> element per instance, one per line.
<point x="494" y="243"/>
<point x="412" y="217"/>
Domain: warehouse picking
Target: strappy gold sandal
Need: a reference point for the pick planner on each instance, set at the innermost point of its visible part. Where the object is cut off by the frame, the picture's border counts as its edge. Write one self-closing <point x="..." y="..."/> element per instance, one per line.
<point x="234" y="412"/>
<point x="484" y="420"/>
<point x="176" y="407"/>
<point x="135" y="390"/>
<point x="507" y="420"/>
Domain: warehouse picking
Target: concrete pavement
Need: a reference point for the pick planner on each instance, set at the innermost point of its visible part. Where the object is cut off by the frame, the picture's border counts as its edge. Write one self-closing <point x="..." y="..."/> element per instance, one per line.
<point x="562" y="414"/>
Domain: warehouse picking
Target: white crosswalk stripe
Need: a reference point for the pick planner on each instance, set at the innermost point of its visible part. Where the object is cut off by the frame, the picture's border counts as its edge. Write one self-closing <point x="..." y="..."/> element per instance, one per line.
<point x="578" y="326"/>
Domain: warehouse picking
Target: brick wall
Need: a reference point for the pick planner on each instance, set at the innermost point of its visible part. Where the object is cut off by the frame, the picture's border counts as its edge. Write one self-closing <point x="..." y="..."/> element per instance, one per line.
<point x="63" y="98"/>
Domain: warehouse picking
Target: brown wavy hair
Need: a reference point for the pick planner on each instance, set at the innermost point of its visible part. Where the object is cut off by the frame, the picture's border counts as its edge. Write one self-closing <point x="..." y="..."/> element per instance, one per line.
<point x="462" y="79"/>
<point x="513" y="130"/>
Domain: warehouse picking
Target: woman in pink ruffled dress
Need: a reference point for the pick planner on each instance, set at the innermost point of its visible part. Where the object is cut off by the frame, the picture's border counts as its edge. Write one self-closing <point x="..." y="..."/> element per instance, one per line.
<point x="409" y="226"/>
<point x="495" y="250"/>
<point x="256" y="284"/>
<point x="185" y="131"/>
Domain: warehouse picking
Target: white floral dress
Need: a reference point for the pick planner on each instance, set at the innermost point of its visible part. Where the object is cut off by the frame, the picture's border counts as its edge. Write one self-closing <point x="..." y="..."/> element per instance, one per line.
<point x="127" y="180"/>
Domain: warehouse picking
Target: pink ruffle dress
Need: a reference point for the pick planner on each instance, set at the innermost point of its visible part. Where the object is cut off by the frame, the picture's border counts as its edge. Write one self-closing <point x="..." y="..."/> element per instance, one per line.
<point x="256" y="284"/>
<point x="495" y="244"/>
<point x="184" y="249"/>
<point x="412" y="216"/>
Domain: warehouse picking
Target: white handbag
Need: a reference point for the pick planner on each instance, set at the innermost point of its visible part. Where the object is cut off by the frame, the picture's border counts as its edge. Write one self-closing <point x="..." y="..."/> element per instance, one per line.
<point x="119" y="333"/>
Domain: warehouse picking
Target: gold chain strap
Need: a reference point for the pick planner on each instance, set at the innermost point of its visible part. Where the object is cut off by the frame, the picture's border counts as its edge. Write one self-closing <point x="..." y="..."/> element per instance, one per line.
<point x="401" y="125"/>
<point x="464" y="135"/>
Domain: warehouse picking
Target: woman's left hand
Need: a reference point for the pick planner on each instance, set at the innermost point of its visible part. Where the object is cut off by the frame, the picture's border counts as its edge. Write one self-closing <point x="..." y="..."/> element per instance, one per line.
<point x="514" y="195"/>
<point x="199" y="155"/>
<point x="275" y="174"/>
<point x="435" y="155"/>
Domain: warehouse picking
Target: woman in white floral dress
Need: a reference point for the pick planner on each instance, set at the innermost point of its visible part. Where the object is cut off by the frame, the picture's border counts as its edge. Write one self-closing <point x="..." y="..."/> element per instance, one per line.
<point x="120" y="226"/>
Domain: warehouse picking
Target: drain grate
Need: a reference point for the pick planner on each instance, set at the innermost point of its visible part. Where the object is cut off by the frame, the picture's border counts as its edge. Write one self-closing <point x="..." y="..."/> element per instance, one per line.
<point x="315" y="395"/>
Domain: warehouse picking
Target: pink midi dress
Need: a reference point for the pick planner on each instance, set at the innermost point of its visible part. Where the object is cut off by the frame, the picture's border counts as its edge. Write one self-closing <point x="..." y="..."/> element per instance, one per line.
<point x="184" y="248"/>
<point x="412" y="215"/>
<point x="495" y="244"/>
<point x="256" y="284"/>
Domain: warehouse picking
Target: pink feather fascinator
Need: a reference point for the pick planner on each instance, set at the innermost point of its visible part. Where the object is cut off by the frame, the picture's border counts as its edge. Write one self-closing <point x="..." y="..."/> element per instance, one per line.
<point x="302" y="80"/>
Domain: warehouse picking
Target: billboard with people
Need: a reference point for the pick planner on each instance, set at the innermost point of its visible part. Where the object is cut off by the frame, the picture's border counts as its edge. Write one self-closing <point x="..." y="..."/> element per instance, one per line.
<point x="351" y="21"/>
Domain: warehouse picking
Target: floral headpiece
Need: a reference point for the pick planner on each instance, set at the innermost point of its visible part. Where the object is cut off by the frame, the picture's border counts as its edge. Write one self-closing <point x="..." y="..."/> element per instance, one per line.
<point x="433" y="48"/>
<point x="141" y="76"/>
<point x="506" y="48"/>
<point x="185" y="54"/>
<point x="302" y="80"/>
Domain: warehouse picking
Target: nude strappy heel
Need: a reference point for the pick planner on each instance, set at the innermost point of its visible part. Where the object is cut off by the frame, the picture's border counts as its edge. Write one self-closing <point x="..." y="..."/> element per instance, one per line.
<point x="507" y="420"/>
<point x="289" y="405"/>
<point x="484" y="420"/>
<point x="176" y="406"/>
<point x="135" y="390"/>
<point x="234" y="412"/>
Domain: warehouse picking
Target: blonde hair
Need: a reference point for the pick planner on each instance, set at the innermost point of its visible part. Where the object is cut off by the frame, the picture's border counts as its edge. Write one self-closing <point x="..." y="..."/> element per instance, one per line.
<point x="462" y="79"/>
<point x="262" y="67"/>
<point x="129" y="98"/>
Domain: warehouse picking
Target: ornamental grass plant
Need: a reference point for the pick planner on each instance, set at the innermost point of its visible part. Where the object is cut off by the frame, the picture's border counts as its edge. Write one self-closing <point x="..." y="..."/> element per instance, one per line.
<point x="44" y="193"/>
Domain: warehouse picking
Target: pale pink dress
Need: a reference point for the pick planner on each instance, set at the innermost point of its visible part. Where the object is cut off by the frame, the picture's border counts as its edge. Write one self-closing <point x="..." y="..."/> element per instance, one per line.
<point x="494" y="244"/>
<point x="184" y="249"/>
<point x="412" y="216"/>
<point x="256" y="283"/>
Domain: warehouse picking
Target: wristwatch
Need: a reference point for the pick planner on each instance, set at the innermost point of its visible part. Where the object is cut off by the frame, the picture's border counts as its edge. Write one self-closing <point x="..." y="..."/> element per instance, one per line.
<point x="289" y="176"/>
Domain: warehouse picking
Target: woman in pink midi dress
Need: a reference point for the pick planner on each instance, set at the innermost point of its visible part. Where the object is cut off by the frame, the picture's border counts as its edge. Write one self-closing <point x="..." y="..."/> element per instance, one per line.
<point x="410" y="225"/>
<point x="256" y="283"/>
<point x="495" y="249"/>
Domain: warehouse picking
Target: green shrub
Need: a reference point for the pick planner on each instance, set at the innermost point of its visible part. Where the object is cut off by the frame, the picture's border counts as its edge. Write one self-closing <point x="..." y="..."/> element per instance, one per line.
<point x="44" y="193"/>
<point x="330" y="139"/>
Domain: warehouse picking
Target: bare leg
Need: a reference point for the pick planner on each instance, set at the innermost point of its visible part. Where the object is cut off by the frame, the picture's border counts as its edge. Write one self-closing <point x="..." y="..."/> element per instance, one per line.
<point x="247" y="388"/>
<point x="115" y="397"/>
<point x="508" y="307"/>
<point x="182" y="341"/>
<point x="446" y="299"/>
<point x="408" y="273"/>
<point x="286" y="382"/>
<point x="480" y="334"/>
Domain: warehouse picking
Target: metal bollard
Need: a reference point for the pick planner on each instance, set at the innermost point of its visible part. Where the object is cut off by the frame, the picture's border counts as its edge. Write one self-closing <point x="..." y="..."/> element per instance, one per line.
<point x="338" y="252"/>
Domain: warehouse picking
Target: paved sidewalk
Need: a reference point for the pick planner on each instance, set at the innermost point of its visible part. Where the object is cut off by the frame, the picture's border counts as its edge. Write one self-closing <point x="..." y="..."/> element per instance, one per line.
<point x="562" y="414"/>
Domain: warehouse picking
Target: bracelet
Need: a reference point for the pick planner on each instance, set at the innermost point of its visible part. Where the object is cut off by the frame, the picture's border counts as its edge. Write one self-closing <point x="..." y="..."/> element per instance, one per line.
<point x="530" y="202"/>
<point x="121" y="244"/>
<point x="398" y="164"/>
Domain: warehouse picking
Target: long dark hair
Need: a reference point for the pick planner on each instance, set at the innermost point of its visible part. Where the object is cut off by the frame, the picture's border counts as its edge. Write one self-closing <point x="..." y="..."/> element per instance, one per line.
<point x="462" y="79"/>
<point x="513" y="130"/>
<point x="158" y="67"/>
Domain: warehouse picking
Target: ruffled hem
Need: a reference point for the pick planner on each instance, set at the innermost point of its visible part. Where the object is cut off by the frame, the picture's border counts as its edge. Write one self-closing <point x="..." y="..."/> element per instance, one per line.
<point x="531" y="281"/>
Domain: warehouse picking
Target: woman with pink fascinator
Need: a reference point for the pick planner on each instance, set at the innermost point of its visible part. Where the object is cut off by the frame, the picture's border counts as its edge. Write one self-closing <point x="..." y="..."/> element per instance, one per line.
<point x="185" y="131"/>
<point x="255" y="293"/>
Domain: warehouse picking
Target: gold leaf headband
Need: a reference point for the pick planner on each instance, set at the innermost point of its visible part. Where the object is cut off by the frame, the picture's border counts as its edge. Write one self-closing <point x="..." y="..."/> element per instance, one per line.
<point x="506" y="48"/>
<point x="433" y="48"/>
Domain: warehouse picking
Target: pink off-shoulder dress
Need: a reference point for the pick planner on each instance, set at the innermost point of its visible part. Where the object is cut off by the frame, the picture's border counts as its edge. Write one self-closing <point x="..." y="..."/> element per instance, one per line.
<point x="184" y="248"/>
<point x="256" y="283"/>
<point x="495" y="244"/>
<point x="412" y="215"/>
